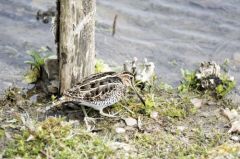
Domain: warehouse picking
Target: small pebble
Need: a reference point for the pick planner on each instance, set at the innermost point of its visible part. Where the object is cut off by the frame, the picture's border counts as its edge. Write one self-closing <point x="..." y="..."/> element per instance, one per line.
<point x="197" y="102"/>
<point x="30" y="138"/>
<point x="235" y="138"/>
<point x="120" y="130"/>
<point x="181" y="128"/>
<point x="130" y="121"/>
<point x="154" y="115"/>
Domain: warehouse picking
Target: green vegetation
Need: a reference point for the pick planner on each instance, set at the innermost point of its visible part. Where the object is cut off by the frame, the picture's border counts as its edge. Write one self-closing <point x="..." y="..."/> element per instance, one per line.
<point x="150" y="104"/>
<point x="101" y="66"/>
<point x="165" y="86"/>
<point x="176" y="107"/>
<point x="159" y="137"/>
<point x="167" y="145"/>
<point x="37" y="62"/>
<point x="225" y="150"/>
<point x="178" y="129"/>
<point x="2" y="133"/>
<point x="191" y="83"/>
<point x="55" y="138"/>
<point x="226" y="86"/>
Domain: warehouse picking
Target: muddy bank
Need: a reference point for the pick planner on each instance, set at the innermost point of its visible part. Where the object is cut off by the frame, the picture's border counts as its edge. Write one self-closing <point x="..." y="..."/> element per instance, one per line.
<point x="173" y="34"/>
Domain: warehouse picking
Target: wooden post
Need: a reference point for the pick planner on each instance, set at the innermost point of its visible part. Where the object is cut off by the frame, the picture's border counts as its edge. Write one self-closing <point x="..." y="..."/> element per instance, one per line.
<point x="76" y="43"/>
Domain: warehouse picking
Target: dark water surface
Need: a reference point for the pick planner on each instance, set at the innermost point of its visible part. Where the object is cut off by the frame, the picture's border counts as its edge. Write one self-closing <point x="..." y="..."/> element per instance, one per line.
<point x="173" y="34"/>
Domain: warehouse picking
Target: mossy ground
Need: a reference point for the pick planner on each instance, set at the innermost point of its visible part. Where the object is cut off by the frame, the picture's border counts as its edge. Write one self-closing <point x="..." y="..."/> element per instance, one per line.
<point x="178" y="131"/>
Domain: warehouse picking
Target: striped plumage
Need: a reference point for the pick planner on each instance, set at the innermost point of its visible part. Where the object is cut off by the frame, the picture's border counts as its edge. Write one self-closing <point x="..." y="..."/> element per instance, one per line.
<point x="100" y="90"/>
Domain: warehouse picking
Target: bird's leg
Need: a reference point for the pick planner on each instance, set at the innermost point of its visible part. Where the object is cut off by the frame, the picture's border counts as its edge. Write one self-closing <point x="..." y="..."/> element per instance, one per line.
<point x="108" y="115"/>
<point x="87" y="119"/>
<point x="125" y="101"/>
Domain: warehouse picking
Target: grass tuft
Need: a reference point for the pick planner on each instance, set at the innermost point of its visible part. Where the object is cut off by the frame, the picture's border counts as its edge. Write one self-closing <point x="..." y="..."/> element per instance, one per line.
<point x="55" y="138"/>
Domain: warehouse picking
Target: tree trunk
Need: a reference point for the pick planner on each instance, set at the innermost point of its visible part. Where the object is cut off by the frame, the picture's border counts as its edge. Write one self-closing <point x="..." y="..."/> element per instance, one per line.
<point x="76" y="40"/>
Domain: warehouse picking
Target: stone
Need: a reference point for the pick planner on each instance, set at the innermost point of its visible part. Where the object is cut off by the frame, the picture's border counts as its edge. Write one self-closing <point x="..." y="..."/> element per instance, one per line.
<point x="120" y="130"/>
<point x="235" y="138"/>
<point x="154" y="115"/>
<point x="181" y="128"/>
<point x="130" y="121"/>
<point x="197" y="102"/>
<point x="30" y="138"/>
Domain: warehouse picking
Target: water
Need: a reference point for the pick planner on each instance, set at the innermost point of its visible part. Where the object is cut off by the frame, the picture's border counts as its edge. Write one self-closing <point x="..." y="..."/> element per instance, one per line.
<point x="173" y="34"/>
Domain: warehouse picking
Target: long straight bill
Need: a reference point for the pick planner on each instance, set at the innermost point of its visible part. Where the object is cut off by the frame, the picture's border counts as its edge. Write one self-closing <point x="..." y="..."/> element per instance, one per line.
<point x="134" y="88"/>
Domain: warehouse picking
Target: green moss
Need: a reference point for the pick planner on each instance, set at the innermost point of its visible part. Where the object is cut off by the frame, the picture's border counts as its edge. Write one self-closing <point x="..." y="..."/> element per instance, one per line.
<point x="163" y="144"/>
<point x="58" y="139"/>
<point x="32" y="76"/>
<point x="176" y="107"/>
<point x="2" y="133"/>
<point x="225" y="150"/>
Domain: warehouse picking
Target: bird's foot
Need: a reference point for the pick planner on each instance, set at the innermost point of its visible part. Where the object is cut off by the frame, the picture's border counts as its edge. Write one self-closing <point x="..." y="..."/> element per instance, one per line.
<point x="89" y="120"/>
<point x="90" y="123"/>
<point x="108" y="115"/>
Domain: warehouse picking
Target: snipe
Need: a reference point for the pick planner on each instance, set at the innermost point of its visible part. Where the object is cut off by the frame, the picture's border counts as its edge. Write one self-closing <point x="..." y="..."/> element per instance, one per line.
<point x="99" y="91"/>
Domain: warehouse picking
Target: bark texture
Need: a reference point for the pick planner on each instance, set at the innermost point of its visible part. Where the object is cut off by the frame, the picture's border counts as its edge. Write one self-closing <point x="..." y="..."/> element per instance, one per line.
<point x="76" y="41"/>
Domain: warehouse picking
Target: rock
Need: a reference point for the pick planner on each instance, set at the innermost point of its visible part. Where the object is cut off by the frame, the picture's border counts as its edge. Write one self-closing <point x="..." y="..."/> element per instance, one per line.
<point x="197" y="102"/>
<point x="120" y="130"/>
<point x="181" y="128"/>
<point x="154" y="115"/>
<point x="235" y="138"/>
<point x="211" y="103"/>
<point x="74" y="123"/>
<point x="30" y="138"/>
<point x="130" y="121"/>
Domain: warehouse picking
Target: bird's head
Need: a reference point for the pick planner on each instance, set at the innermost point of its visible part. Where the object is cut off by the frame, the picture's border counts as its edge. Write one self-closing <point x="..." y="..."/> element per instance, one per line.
<point x="128" y="80"/>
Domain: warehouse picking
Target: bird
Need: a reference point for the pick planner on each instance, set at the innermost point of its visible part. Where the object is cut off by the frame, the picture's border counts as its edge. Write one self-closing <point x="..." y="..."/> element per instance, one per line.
<point x="99" y="91"/>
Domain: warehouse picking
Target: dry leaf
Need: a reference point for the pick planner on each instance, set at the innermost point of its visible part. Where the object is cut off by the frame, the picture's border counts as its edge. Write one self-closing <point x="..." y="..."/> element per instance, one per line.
<point x="234" y="118"/>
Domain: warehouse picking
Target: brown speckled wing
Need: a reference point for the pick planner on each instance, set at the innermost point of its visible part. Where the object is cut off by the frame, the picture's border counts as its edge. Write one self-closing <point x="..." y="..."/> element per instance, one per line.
<point x="96" y="89"/>
<point x="96" y="76"/>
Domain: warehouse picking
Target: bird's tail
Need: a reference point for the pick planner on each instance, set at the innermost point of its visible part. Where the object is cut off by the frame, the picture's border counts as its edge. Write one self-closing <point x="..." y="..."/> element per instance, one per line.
<point x="56" y="104"/>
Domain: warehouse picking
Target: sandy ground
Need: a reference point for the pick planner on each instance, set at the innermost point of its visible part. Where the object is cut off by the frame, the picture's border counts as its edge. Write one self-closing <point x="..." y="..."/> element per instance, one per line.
<point x="173" y="34"/>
